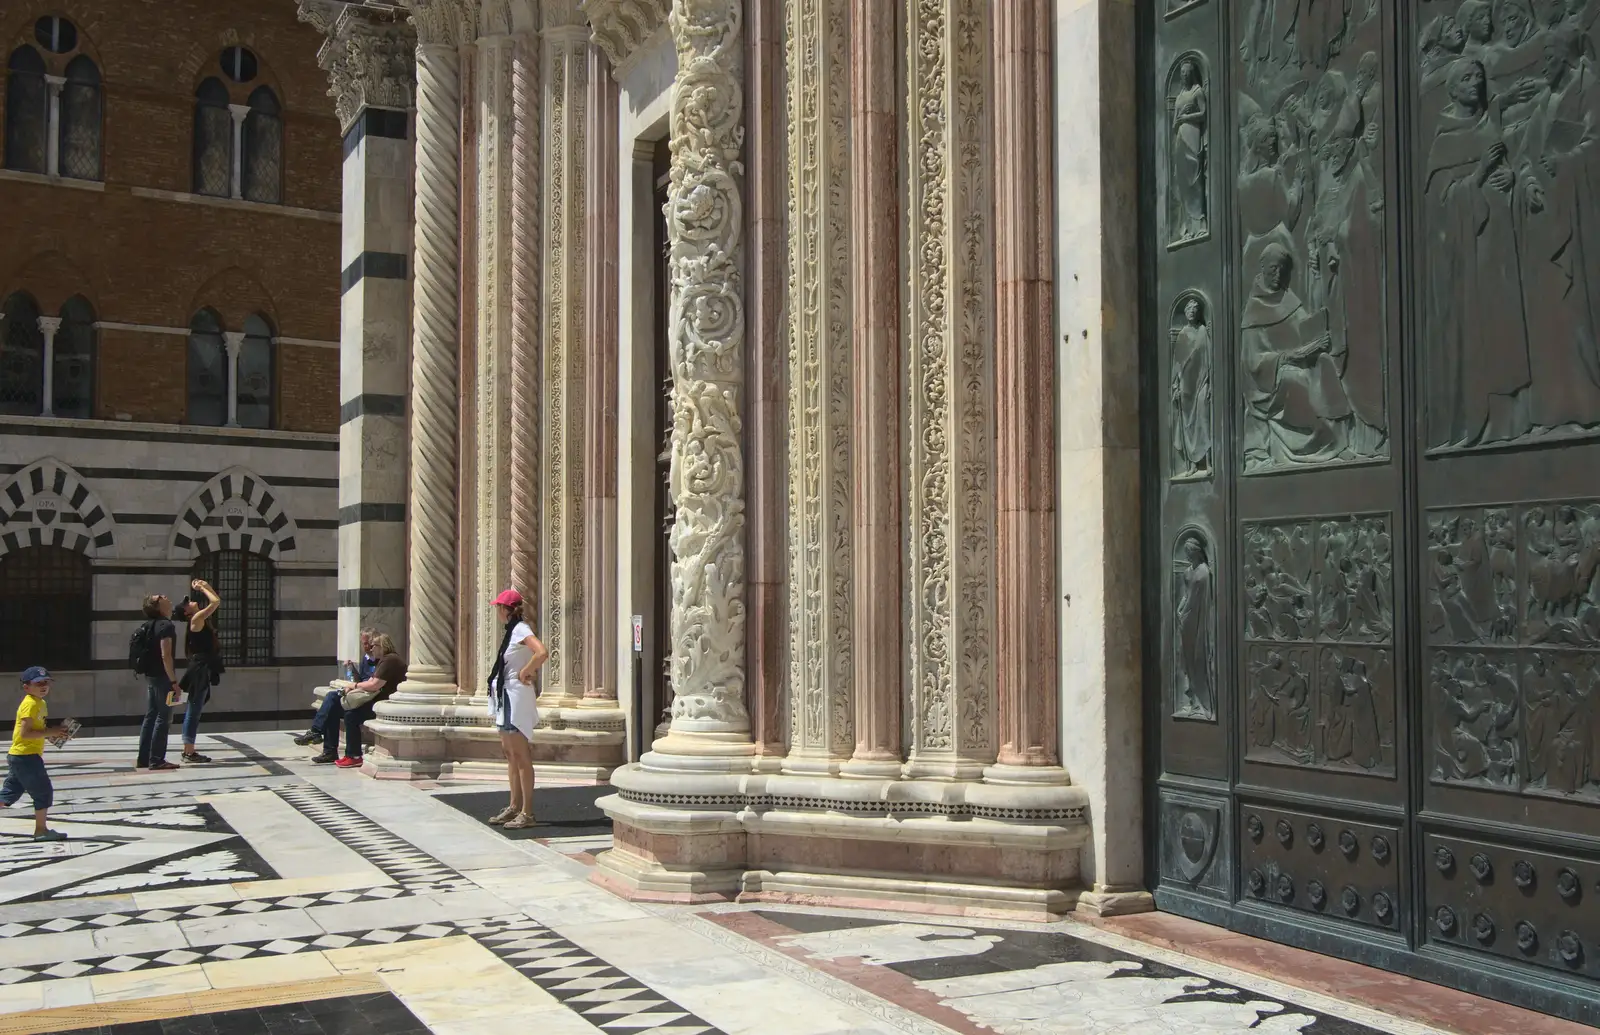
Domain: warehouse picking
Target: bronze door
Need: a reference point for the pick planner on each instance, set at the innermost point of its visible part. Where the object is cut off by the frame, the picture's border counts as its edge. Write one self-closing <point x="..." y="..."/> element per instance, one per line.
<point x="1372" y="314"/>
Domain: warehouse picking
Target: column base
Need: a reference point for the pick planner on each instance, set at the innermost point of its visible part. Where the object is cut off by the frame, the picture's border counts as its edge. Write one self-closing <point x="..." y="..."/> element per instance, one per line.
<point x="454" y="737"/>
<point x="872" y="769"/>
<point x="960" y="848"/>
<point x="1115" y="900"/>
<point x="1026" y="775"/>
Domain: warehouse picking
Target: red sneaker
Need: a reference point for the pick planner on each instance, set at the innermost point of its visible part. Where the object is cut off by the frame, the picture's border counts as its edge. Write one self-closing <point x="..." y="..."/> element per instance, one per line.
<point x="348" y="763"/>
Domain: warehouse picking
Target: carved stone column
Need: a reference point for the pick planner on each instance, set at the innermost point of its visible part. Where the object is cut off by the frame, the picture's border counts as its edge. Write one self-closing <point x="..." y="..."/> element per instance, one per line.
<point x="876" y="359"/>
<point x="492" y="419"/>
<point x="821" y="587"/>
<point x="565" y="62"/>
<point x="1025" y="382"/>
<point x="600" y="389"/>
<point x="526" y="356"/>
<point x="370" y="58"/>
<point x="50" y="325"/>
<point x="432" y="669"/>
<point x="951" y="391"/>
<point x="710" y="727"/>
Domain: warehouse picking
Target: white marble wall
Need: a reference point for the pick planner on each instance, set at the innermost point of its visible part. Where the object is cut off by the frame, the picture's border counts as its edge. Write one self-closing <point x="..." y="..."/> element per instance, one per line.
<point x="145" y="477"/>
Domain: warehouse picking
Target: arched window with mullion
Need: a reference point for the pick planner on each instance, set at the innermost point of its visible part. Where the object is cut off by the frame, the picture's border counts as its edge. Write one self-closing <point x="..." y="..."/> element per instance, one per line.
<point x="213" y="140"/>
<point x="80" y="120"/>
<point x="208" y="371"/>
<point x="27" y="112"/>
<point x="262" y="161"/>
<point x="255" y="375"/>
<point x="21" y="357"/>
<point x="72" y="383"/>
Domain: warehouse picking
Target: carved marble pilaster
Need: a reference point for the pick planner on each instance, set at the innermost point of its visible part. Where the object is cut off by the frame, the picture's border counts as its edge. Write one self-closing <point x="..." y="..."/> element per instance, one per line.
<point x="1025" y="380"/>
<point x="600" y="388"/>
<point x="565" y="62"/>
<point x="526" y="357"/>
<point x="435" y="323"/>
<point x="950" y="398"/>
<point x="622" y="27"/>
<point x="369" y="55"/>
<point x="877" y="361"/>
<point x="492" y="423"/>
<point x="821" y="590"/>
<point x="710" y="727"/>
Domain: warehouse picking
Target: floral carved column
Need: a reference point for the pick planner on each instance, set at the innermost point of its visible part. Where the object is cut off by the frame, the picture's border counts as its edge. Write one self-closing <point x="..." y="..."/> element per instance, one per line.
<point x="821" y="592"/>
<point x="1025" y="385"/>
<point x="950" y="395"/>
<point x="710" y="726"/>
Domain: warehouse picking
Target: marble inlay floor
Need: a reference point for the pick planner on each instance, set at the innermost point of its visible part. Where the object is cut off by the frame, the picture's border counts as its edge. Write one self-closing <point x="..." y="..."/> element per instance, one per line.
<point x="266" y="894"/>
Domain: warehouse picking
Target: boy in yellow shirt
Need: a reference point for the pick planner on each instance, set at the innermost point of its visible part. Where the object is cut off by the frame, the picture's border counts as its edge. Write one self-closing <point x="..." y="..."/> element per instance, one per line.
<point x="26" y="760"/>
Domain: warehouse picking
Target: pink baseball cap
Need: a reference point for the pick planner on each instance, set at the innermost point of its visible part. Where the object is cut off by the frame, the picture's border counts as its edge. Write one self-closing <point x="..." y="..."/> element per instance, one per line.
<point x="508" y="598"/>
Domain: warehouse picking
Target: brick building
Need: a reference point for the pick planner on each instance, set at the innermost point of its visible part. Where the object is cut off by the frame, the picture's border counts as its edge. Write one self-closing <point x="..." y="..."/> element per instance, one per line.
<point x="169" y="397"/>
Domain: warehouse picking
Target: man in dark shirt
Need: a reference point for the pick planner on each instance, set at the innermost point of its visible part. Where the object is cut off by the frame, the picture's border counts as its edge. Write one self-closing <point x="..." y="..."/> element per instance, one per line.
<point x="161" y="678"/>
<point x="386" y="678"/>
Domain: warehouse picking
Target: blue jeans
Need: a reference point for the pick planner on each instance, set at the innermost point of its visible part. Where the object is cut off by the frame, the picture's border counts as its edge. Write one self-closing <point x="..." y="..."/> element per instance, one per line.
<point x="157" y="723"/>
<point x="27" y="773"/>
<point x="330" y="702"/>
<point x="354" y="719"/>
<point x="191" y="717"/>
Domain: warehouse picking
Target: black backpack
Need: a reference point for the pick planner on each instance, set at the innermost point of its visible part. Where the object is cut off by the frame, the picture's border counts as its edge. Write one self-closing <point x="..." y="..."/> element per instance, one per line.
<point x="139" y="645"/>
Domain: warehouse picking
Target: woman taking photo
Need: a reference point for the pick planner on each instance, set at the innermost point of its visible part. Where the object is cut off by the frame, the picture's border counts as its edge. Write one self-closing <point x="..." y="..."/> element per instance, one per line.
<point x="512" y="706"/>
<point x="205" y="661"/>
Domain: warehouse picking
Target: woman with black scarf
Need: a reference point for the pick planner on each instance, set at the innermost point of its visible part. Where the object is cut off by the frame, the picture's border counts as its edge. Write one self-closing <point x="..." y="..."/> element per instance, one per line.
<point x="513" y="705"/>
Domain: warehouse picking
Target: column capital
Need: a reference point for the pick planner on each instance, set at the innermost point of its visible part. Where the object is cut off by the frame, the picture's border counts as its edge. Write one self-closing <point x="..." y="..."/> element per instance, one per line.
<point x="233" y="341"/>
<point x="449" y="23"/>
<point x="49" y="325"/>
<point x="621" y="27"/>
<point x="240" y="111"/>
<point x="369" y="56"/>
<point x="55" y="82"/>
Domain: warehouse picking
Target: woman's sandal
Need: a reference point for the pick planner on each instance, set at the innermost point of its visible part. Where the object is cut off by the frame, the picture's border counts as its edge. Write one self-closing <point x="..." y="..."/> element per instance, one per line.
<point x="521" y="822"/>
<point x="502" y="817"/>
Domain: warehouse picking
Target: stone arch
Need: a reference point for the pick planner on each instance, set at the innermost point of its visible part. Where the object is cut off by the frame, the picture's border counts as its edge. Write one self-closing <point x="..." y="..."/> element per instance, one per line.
<point x="51" y="277"/>
<point x="199" y="61"/>
<point x="47" y="503"/>
<point x="236" y="510"/>
<point x="87" y="22"/>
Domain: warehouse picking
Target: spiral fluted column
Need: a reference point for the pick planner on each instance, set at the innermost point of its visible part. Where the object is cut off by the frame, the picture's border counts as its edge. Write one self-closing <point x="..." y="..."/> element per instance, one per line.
<point x="434" y="425"/>
<point x="525" y="354"/>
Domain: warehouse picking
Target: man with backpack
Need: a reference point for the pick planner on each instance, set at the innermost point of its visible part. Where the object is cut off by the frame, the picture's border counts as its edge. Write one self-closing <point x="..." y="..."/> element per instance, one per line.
<point x="151" y="654"/>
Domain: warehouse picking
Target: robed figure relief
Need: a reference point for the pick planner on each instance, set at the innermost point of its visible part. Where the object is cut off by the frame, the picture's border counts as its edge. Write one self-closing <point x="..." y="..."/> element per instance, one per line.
<point x="1189" y="400"/>
<point x="1356" y="728"/>
<point x="1194" y="639"/>
<point x="1189" y="151"/>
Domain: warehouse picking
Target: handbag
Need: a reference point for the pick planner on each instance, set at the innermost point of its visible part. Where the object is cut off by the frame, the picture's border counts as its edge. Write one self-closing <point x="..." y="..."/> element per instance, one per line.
<point x="352" y="699"/>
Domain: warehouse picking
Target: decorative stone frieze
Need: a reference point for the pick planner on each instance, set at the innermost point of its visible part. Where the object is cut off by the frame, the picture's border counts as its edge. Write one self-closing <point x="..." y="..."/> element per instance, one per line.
<point x="622" y="27"/>
<point x="565" y="65"/>
<point x="950" y="394"/>
<point x="706" y="341"/>
<point x="821" y="590"/>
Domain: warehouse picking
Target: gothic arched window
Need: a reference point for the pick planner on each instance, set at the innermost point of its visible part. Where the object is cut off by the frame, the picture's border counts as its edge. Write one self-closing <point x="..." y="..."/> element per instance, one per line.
<point x="255" y="381"/>
<point x="213" y="140"/>
<point x="72" y="383"/>
<point x="262" y="160"/>
<point x="208" y="371"/>
<point x="21" y="357"/>
<point x="27" y="112"/>
<point x="80" y="135"/>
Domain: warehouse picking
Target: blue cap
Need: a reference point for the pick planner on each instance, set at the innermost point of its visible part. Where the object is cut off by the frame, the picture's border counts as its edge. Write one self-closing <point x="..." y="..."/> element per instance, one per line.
<point x="35" y="674"/>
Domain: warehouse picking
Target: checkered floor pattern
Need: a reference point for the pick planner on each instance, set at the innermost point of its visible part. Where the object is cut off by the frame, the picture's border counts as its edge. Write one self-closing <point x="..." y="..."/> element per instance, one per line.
<point x="416" y="870"/>
<point x="603" y="995"/>
<point x="230" y="951"/>
<point x="59" y="924"/>
<point x="68" y="800"/>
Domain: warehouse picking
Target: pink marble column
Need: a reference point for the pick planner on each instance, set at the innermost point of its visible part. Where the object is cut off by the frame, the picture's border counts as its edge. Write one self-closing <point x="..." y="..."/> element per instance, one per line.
<point x="875" y="463"/>
<point x="764" y="359"/>
<point x="469" y="613"/>
<point x="526" y="362"/>
<point x="1025" y="386"/>
<point x="600" y="388"/>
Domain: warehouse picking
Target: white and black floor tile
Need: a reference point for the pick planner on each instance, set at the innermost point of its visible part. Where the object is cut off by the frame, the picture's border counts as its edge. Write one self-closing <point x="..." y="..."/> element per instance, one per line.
<point x="416" y="870"/>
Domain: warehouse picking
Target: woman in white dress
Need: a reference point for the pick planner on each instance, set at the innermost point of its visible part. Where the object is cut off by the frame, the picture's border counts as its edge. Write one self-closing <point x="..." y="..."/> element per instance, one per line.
<point x="514" y="709"/>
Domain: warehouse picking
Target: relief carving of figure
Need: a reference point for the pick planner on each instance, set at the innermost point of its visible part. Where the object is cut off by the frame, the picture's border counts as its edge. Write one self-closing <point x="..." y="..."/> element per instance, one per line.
<point x="1190" y="395"/>
<point x="1477" y="709"/>
<point x="1354" y="728"/>
<point x="1354" y="581"/>
<point x="1473" y="596"/>
<point x="1195" y="631"/>
<point x="1278" y="595"/>
<point x="1190" y="136"/>
<point x="1479" y="370"/>
<point x="1563" y="601"/>
<point x="1280" y="705"/>
<point x="1559" y="698"/>
<point x="1296" y="407"/>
